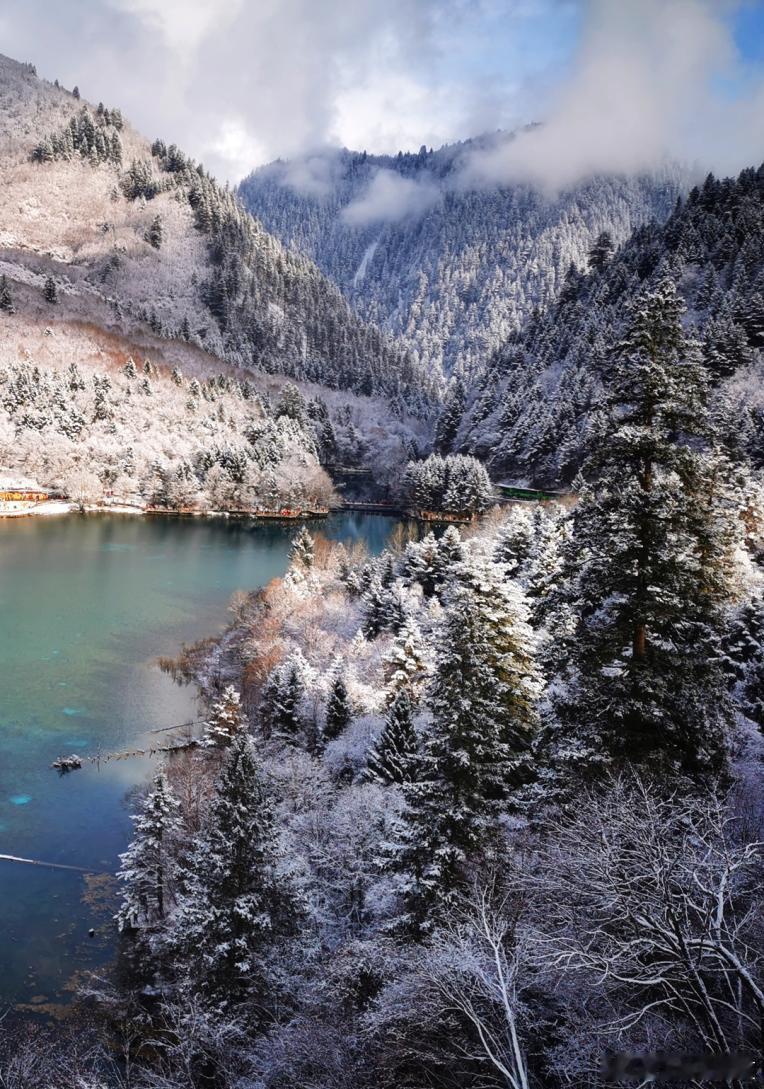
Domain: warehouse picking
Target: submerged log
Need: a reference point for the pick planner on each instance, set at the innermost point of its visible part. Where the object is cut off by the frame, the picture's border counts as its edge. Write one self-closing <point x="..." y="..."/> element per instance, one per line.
<point x="65" y="764"/>
<point x="48" y="865"/>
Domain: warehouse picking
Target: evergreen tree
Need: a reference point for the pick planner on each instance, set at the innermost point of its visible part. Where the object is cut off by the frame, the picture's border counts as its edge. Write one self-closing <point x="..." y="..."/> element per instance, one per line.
<point x="338" y="710"/>
<point x="450" y="553"/>
<point x="146" y="866"/>
<point x="155" y="233"/>
<point x="601" y="252"/>
<point x="450" y="416"/>
<point x="394" y="757"/>
<point x="376" y="602"/>
<point x="744" y="658"/>
<point x="281" y="702"/>
<point x="234" y="901"/>
<point x="225" y="720"/>
<point x="291" y="404"/>
<point x="386" y="570"/>
<point x="421" y="563"/>
<point x="514" y="543"/>
<point x="6" y="299"/>
<point x="50" y="291"/>
<point x="396" y="606"/>
<point x="407" y="662"/>
<point x="483" y="703"/>
<point x="645" y="572"/>
<point x="302" y="551"/>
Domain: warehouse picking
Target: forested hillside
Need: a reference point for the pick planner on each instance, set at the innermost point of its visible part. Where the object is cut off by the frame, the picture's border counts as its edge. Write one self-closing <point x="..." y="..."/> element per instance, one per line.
<point x="450" y="264"/>
<point x="104" y="419"/>
<point x="538" y="409"/>
<point x="145" y="234"/>
<point x="485" y="810"/>
<point x="482" y="811"/>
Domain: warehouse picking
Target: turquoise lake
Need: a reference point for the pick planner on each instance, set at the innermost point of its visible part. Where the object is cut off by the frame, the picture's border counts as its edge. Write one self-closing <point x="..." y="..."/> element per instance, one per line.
<point x="87" y="604"/>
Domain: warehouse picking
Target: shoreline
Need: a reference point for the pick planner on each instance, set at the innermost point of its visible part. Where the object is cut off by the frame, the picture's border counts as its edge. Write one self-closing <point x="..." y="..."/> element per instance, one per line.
<point x="55" y="508"/>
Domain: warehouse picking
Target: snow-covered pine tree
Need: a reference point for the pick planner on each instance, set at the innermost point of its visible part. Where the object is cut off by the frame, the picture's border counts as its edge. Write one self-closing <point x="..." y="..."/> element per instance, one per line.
<point x="406" y="663"/>
<point x="302" y="551"/>
<point x="450" y="552"/>
<point x="234" y="902"/>
<point x="155" y="233"/>
<point x="645" y="572"/>
<point x="514" y="541"/>
<point x="291" y="403"/>
<point x="145" y="868"/>
<point x="420" y="563"/>
<point x="601" y="251"/>
<point x="50" y="291"/>
<point x="483" y="703"/>
<point x="6" y="299"/>
<point x="376" y="600"/>
<point x="509" y="649"/>
<point x="397" y="606"/>
<point x="281" y="701"/>
<point x="450" y="416"/>
<point x="744" y="658"/>
<point x="225" y="720"/>
<point x="393" y="758"/>
<point x="339" y="713"/>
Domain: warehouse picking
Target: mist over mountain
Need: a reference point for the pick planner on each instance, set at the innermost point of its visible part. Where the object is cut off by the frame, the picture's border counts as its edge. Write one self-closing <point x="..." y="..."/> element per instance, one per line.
<point x="448" y="261"/>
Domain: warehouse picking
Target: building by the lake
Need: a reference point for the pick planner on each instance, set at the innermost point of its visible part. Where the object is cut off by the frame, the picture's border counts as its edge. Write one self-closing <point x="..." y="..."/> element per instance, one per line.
<point x="19" y="493"/>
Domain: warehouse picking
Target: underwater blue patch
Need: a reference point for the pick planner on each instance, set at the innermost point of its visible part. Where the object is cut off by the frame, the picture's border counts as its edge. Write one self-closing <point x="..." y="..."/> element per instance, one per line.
<point x="21" y="799"/>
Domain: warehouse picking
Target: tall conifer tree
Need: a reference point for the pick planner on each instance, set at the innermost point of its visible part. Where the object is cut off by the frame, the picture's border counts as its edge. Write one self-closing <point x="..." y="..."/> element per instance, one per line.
<point x="235" y="902"/>
<point x="645" y="573"/>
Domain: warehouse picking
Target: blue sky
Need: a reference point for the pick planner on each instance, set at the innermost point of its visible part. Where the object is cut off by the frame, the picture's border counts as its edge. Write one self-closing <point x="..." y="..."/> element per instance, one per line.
<point x="239" y="82"/>
<point x="748" y="29"/>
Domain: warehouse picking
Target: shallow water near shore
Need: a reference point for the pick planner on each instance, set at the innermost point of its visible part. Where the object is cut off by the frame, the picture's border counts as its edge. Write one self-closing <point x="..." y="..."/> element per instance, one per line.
<point x="87" y="603"/>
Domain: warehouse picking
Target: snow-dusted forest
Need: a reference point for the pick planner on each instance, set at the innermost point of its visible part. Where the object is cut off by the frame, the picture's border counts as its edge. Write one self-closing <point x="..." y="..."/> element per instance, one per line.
<point x="483" y="810"/>
<point x="424" y="248"/>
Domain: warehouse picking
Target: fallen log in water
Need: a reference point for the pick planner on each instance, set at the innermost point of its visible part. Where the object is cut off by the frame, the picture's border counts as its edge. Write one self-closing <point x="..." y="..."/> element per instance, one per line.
<point x="129" y="754"/>
<point x="49" y="865"/>
<point x="67" y="763"/>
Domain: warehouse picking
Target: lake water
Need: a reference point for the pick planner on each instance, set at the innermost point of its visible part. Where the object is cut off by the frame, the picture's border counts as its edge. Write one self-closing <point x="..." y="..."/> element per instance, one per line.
<point x="87" y="603"/>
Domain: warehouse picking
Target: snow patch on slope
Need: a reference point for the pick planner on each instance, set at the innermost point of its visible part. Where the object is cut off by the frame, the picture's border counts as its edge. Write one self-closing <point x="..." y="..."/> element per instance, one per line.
<point x="360" y="272"/>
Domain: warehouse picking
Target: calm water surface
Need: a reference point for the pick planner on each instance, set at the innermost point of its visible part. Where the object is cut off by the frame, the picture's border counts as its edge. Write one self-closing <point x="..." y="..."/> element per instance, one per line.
<point x="86" y="605"/>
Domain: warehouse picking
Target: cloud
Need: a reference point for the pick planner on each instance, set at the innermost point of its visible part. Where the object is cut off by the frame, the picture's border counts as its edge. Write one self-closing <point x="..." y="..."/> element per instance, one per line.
<point x="652" y="80"/>
<point x="390" y="198"/>
<point x="312" y="175"/>
<point x="619" y="83"/>
<point x="183" y="24"/>
<point x="225" y="79"/>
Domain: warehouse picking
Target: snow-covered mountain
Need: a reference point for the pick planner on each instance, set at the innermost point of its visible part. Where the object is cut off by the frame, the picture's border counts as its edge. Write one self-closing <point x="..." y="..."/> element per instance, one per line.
<point x="149" y="327"/>
<point x="419" y="247"/>
<point x="138" y="236"/>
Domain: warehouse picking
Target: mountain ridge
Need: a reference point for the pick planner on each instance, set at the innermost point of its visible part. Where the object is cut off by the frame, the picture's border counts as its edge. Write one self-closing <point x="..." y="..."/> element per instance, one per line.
<point x="450" y="264"/>
<point x="84" y="213"/>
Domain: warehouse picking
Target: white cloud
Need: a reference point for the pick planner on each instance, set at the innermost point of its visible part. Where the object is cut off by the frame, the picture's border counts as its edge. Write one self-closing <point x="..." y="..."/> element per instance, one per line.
<point x="184" y="24"/>
<point x="235" y="147"/>
<point x="391" y="111"/>
<point x="644" y="88"/>
<point x="240" y="82"/>
<point x="390" y="198"/>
